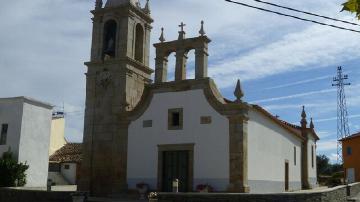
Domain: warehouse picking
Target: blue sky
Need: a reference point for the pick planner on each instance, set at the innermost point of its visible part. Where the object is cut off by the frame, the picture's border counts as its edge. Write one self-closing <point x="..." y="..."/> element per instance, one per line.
<point x="283" y="63"/>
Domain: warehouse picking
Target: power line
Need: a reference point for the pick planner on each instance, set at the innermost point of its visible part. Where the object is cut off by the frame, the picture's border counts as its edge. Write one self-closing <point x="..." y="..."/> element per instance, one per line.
<point x="292" y="16"/>
<point x="306" y="12"/>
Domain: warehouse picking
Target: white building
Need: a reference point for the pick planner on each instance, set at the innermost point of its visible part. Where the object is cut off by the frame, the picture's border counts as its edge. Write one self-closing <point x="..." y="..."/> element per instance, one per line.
<point x="65" y="163"/>
<point x="25" y="130"/>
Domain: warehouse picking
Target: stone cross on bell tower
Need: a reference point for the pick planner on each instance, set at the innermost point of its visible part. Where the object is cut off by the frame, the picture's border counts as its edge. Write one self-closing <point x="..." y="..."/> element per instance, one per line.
<point x="116" y="75"/>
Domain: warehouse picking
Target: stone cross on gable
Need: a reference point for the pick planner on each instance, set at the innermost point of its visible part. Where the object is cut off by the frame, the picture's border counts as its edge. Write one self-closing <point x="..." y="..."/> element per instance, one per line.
<point x="182" y="32"/>
<point x="182" y="25"/>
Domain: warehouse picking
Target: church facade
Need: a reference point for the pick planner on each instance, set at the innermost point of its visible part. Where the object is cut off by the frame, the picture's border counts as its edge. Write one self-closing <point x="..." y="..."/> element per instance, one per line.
<point x="139" y="131"/>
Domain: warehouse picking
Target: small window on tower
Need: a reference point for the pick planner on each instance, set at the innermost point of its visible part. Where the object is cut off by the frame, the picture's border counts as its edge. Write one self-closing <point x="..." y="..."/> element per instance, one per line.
<point x="139" y="43"/>
<point x="175" y="119"/>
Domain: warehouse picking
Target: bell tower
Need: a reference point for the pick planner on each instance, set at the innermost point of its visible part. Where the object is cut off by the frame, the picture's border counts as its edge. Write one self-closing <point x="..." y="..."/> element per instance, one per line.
<point x="116" y="75"/>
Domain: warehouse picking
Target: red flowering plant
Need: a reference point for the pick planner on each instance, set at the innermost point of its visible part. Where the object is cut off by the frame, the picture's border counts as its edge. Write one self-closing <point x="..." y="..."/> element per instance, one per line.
<point x="142" y="185"/>
<point x="204" y="188"/>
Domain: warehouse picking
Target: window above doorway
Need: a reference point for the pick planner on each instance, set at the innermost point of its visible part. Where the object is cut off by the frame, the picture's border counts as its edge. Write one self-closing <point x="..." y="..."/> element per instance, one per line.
<point x="175" y="119"/>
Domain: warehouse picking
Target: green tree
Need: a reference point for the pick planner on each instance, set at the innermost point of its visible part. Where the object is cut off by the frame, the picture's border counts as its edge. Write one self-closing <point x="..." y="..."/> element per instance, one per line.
<point x="352" y="6"/>
<point x="12" y="174"/>
<point x="323" y="165"/>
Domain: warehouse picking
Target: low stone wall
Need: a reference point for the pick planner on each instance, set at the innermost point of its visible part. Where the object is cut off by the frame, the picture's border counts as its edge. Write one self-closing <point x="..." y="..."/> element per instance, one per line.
<point x="337" y="194"/>
<point x="19" y="195"/>
<point x="353" y="189"/>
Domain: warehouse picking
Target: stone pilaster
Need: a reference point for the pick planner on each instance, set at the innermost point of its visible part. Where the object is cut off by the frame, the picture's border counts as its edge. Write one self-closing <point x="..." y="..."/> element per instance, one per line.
<point x="238" y="154"/>
<point x="161" y="69"/>
<point x="305" y="162"/>
<point x="201" y="62"/>
<point x="180" y="69"/>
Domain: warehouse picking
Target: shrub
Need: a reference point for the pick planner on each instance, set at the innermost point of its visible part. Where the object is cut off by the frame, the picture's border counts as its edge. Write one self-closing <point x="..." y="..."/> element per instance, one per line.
<point x="12" y="174"/>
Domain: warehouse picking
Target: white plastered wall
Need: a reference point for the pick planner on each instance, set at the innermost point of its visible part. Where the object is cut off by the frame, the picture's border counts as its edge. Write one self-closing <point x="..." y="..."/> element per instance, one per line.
<point x="34" y="143"/>
<point x="269" y="147"/>
<point x="11" y="114"/>
<point x="70" y="173"/>
<point x="211" y="150"/>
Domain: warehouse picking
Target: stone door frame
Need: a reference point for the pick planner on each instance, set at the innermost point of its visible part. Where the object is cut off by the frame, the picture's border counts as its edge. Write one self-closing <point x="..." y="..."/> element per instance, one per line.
<point x="175" y="147"/>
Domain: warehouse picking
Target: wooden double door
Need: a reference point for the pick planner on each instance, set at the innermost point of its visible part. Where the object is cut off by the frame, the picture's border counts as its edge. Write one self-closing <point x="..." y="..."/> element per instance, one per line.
<point x="175" y="166"/>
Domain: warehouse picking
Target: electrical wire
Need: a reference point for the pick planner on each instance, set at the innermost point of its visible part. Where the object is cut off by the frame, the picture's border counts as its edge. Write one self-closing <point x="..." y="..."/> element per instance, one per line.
<point x="292" y="16"/>
<point x="306" y="12"/>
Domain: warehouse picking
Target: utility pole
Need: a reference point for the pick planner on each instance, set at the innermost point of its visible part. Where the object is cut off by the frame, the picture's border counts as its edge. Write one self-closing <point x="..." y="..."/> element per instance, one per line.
<point x="342" y="113"/>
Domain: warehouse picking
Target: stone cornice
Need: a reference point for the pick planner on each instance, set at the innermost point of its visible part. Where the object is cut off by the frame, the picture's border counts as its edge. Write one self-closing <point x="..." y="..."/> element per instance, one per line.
<point x="124" y="11"/>
<point x="127" y="60"/>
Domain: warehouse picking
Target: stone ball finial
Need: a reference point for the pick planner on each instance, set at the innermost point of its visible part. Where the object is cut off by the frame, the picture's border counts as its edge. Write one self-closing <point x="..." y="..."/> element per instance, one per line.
<point x="238" y="92"/>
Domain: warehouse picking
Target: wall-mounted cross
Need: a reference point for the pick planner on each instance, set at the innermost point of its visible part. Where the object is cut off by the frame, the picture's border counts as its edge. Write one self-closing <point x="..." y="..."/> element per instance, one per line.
<point x="182" y="25"/>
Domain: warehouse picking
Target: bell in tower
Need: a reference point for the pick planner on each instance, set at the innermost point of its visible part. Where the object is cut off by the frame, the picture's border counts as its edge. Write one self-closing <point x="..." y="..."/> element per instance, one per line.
<point x="116" y="76"/>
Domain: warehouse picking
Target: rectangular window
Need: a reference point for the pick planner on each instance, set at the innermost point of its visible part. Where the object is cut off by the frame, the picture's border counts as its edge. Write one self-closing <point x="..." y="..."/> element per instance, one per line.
<point x="312" y="156"/>
<point x="66" y="167"/>
<point x="175" y="119"/>
<point x="348" y="151"/>
<point x="205" y="120"/>
<point x="3" y="137"/>
<point x="147" y="123"/>
<point x="295" y="156"/>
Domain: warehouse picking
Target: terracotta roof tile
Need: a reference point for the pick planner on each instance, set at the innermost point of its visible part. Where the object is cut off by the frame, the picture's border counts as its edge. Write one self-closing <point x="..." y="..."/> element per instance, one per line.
<point x="295" y="129"/>
<point x="351" y="136"/>
<point x="71" y="152"/>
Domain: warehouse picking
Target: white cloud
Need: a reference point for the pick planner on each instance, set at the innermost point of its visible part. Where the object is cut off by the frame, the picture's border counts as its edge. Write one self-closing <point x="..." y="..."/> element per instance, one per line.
<point x="326" y="145"/>
<point x="313" y="47"/>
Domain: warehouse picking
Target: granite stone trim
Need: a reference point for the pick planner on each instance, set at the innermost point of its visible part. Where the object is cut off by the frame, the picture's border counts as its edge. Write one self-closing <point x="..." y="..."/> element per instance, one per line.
<point x="211" y="93"/>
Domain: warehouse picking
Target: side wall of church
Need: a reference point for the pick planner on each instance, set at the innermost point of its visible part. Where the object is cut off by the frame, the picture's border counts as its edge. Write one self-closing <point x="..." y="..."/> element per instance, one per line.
<point x="211" y="141"/>
<point x="269" y="148"/>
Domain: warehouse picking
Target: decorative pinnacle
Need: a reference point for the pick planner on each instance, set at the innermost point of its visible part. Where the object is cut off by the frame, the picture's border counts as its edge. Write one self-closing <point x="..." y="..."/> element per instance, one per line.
<point x="312" y="124"/>
<point x="238" y="92"/>
<point x="303" y="118"/>
<point x="303" y="113"/>
<point x="98" y="4"/>
<point x="162" y="38"/>
<point x="202" y="31"/>
<point x="147" y="7"/>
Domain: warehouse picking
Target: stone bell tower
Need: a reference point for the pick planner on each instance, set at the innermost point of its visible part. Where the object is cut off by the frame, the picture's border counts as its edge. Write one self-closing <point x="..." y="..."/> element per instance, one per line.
<point x="117" y="73"/>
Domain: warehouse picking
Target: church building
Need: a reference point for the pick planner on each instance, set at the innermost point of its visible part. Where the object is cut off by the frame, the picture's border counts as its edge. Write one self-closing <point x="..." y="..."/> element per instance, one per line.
<point x="143" y="131"/>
